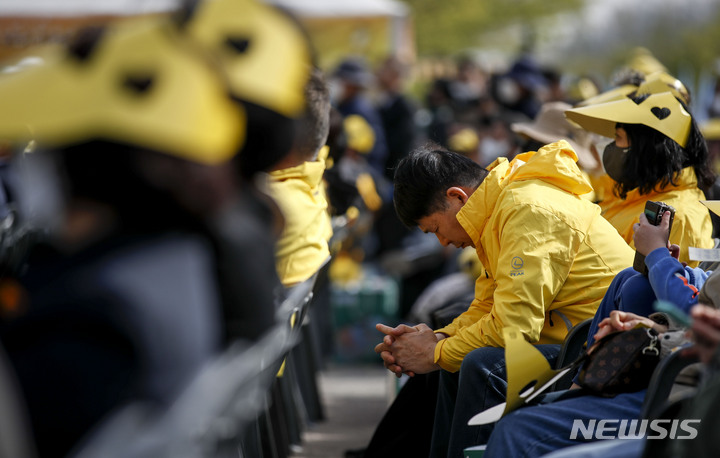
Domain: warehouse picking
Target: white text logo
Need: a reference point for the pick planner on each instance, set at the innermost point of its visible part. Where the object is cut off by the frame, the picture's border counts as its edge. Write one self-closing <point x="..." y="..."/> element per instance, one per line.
<point x="634" y="429"/>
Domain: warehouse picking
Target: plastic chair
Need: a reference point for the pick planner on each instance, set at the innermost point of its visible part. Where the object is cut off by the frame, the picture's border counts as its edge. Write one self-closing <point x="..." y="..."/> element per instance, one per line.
<point x="306" y="357"/>
<point x="219" y="414"/>
<point x="571" y="348"/>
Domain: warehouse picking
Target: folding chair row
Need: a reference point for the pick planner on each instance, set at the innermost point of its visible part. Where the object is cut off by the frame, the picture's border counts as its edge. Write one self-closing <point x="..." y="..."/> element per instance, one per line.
<point x="217" y="415"/>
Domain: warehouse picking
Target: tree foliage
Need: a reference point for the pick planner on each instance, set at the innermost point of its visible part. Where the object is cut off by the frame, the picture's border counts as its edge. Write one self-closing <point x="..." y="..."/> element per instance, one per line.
<point x="443" y="28"/>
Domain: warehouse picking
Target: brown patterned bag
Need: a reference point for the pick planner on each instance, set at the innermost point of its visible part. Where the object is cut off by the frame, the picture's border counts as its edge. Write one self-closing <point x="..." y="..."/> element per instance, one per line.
<point x="620" y="362"/>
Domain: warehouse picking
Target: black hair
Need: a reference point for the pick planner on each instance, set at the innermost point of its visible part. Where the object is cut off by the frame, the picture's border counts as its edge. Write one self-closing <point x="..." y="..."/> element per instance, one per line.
<point x="269" y="138"/>
<point x="314" y="125"/>
<point x="423" y="177"/>
<point x="655" y="160"/>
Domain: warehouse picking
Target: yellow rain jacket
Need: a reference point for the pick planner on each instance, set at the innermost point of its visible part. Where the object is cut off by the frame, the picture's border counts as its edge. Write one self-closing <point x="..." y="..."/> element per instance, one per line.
<point x="303" y="244"/>
<point x="691" y="227"/>
<point x="548" y="255"/>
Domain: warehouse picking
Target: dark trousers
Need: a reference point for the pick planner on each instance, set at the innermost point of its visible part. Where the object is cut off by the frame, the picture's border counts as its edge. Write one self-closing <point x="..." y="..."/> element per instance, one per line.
<point x="406" y="428"/>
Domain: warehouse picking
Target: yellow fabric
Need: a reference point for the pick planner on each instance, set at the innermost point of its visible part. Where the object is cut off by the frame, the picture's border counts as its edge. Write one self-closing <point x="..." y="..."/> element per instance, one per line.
<point x="303" y="244"/>
<point x="603" y="185"/>
<point x="359" y="133"/>
<point x="366" y="188"/>
<point x="592" y="195"/>
<point x="544" y="250"/>
<point x="691" y="227"/>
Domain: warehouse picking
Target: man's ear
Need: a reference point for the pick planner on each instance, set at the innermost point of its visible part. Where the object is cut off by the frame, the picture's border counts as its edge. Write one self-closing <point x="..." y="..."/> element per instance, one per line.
<point x="457" y="192"/>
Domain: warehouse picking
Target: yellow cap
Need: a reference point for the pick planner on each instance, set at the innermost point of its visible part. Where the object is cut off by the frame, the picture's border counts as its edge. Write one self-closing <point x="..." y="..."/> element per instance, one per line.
<point x="582" y="89"/>
<point x="662" y="112"/>
<point x="643" y="61"/>
<point x="662" y="82"/>
<point x="139" y="85"/>
<point x="610" y="95"/>
<point x="465" y="141"/>
<point x="265" y="54"/>
<point x="360" y="136"/>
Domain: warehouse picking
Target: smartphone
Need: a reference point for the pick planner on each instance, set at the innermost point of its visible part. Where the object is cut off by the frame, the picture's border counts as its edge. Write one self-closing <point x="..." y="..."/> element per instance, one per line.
<point x="653" y="213"/>
<point x="675" y="312"/>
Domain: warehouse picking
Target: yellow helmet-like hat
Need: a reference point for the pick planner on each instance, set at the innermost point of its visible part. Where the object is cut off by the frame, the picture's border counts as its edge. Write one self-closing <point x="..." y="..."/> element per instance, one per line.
<point x="610" y="95"/>
<point x="139" y="83"/>
<point x="662" y="82"/>
<point x="265" y="53"/>
<point x="643" y="61"/>
<point x="662" y="112"/>
<point x="654" y="83"/>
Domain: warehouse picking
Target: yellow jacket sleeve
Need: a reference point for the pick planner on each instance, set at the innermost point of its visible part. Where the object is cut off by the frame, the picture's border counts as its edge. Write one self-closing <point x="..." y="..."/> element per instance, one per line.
<point x="536" y="251"/>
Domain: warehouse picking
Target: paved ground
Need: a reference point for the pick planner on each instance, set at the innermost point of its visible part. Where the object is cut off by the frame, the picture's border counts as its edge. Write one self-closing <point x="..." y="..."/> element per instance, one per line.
<point x="355" y="398"/>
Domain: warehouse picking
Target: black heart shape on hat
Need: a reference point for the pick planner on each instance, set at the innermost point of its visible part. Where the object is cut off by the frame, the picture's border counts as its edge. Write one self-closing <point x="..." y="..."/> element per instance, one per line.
<point x="238" y="44"/>
<point x="139" y="84"/>
<point x="660" y="113"/>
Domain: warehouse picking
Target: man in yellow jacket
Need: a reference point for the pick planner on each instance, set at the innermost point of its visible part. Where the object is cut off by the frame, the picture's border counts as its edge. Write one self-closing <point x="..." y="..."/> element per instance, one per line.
<point x="295" y="184"/>
<point x="548" y="258"/>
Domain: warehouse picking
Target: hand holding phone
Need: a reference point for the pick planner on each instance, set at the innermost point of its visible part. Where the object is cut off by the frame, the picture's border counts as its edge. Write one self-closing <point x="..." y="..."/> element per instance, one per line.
<point x="654" y="212"/>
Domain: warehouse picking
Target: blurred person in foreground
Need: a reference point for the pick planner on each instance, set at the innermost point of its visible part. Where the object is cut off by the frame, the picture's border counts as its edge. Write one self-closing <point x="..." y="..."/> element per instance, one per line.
<point x="548" y="258"/>
<point x="122" y="302"/>
<point x="269" y="82"/>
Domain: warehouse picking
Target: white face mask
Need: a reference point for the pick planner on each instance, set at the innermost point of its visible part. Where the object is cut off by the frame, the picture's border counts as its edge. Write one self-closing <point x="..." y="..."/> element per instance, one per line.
<point x="335" y="88"/>
<point x="508" y="91"/>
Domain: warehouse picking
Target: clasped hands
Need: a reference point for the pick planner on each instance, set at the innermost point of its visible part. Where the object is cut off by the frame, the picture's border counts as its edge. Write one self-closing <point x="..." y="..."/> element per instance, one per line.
<point x="408" y="349"/>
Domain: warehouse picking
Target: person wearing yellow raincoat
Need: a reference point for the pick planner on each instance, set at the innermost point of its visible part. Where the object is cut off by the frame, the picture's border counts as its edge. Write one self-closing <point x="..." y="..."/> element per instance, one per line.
<point x="548" y="257"/>
<point x="295" y="184"/>
<point x="658" y="154"/>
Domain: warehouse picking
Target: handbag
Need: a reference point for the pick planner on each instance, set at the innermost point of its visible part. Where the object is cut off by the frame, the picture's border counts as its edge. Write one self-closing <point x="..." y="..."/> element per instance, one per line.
<point x="620" y="362"/>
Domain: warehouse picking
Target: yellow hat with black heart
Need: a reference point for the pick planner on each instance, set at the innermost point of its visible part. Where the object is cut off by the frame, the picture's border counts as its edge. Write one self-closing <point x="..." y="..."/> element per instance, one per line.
<point x="662" y="112"/>
<point x="138" y="82"/>
<point x="265" y="53"/>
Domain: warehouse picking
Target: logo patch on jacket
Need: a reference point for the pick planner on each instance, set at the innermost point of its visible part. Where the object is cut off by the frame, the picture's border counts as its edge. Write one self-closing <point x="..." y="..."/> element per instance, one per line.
<point x="517" y="266"/>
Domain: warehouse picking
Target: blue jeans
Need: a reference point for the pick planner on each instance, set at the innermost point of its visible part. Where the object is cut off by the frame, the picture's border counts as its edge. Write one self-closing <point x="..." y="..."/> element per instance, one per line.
<point x="480" y="384"/>
<point x="630" y="291"/>
<point x="536" y="430"/>
<point x="618" y="448"/>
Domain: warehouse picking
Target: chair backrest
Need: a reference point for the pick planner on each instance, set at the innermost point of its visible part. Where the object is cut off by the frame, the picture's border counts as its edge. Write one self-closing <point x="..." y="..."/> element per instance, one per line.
<point x="662" y="382"/>
<point x="321" y="277"/>
<point x="569" y="351"/>
<point x="711" y="265"/>
<point x="215" y="409"/>
<point x="292" y="310"/>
